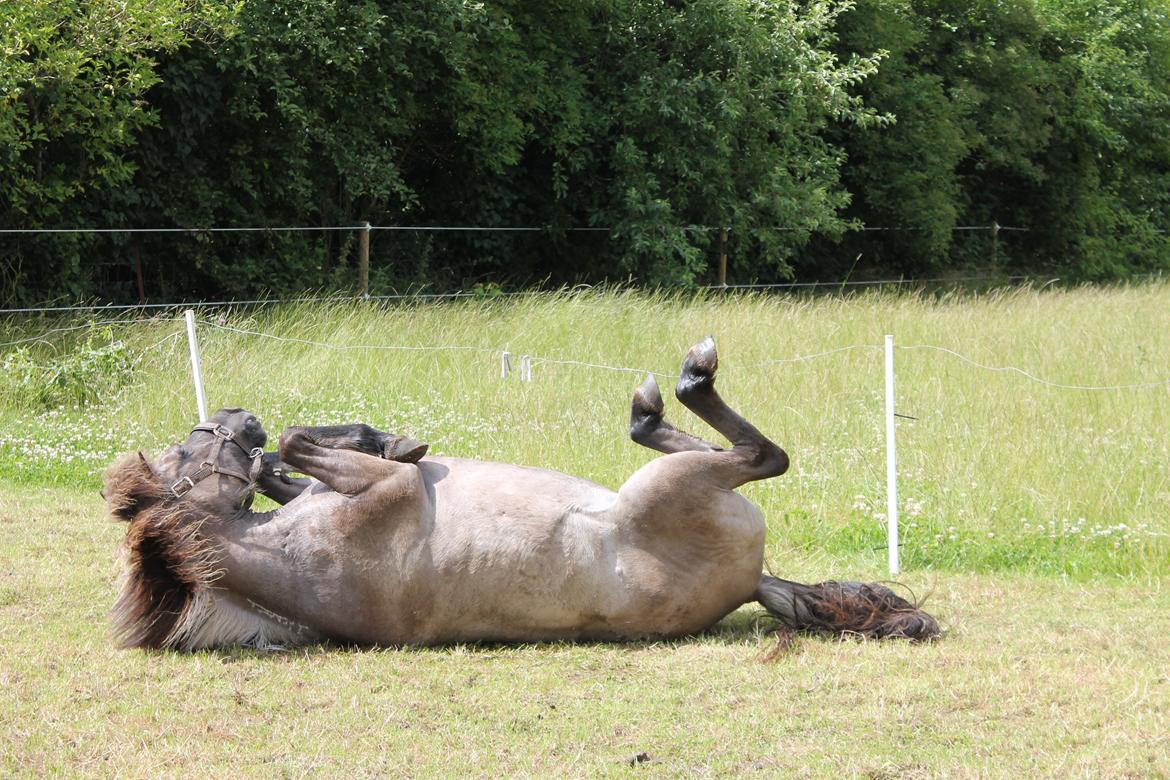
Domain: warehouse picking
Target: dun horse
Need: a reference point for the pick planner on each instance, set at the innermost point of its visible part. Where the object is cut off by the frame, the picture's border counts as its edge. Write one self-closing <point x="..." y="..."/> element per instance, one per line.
<point x="385" y="546"/>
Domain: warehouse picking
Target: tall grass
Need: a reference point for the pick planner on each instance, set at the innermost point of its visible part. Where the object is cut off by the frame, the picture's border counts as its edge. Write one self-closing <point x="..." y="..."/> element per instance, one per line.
<point x="997" y="472"/>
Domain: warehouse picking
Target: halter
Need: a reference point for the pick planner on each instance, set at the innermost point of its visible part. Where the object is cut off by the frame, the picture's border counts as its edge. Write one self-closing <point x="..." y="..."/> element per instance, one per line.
<point x="211" y="466"/>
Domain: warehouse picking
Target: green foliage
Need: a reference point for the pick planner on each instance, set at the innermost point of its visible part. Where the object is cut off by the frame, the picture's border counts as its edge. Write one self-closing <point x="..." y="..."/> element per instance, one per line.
<point x="71" y="91"/>
<point x="91" y="371"/>
<point x="72" y="83"/>
<point x="789" y="125"/>
<point x="655" y="120"/>
<point x="1109" y="162"/>
<point x="1031" y="113"/>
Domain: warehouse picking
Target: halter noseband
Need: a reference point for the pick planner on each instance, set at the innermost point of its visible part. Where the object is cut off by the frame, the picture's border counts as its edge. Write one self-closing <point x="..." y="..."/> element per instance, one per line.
<point x="211" y="466"/>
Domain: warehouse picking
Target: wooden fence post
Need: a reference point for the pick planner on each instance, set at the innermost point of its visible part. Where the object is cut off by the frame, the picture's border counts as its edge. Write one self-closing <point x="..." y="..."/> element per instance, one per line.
<point x="364" y="262"/>
<point x="138" y="272"/>
<point x="723" y="258"/>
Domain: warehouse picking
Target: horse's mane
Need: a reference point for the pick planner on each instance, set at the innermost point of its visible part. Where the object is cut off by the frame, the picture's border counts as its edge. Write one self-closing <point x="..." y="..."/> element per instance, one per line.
<point x="166" y="560"/>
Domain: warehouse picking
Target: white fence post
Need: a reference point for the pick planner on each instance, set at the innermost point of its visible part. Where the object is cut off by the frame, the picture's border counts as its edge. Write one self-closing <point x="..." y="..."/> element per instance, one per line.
<point x="505" y="364"/>
<point x="891" y="463"/>
<point x="196" y="371"/>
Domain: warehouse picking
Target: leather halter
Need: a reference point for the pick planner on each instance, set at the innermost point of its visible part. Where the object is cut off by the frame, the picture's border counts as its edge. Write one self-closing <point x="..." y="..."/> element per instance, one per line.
<point x="211" y="466"/>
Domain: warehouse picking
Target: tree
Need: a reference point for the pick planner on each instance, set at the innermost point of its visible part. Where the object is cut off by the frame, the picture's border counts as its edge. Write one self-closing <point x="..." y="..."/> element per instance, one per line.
<point x="71" y="106"/>
<point x="659" y="122"/>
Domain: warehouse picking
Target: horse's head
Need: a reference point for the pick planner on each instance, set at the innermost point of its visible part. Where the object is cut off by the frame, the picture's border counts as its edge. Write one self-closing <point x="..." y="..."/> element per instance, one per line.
<point x="215" y="469"/>
<point x="171" y="553"/>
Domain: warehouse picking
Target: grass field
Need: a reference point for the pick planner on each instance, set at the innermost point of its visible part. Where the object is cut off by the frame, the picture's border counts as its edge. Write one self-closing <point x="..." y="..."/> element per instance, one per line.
<point x="997" y="473"/>
<point x="1036" y="678"/>
<point x="1037" y="517"/>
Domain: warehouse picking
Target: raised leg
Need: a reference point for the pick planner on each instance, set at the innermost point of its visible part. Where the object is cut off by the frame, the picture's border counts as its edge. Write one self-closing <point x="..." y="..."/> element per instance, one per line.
<point x="362" y="438"/>
<point x="650" y="429"/>
<point x="347" y="458"/>
<point x="761" y="458"/>
<point x="275" y="480"/>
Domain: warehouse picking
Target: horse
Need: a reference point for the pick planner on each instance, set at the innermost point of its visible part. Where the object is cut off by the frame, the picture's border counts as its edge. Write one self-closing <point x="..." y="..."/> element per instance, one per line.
<point x="383" y="545"/>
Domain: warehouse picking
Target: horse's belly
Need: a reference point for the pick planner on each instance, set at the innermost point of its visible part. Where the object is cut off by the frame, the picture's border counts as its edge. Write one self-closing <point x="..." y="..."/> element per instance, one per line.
<point x="528" y="568"/>
<point x="683" y="583"/>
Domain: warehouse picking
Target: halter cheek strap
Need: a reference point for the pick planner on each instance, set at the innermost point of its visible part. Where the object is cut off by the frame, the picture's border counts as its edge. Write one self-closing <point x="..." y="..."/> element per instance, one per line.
<point x="211" y="466"/>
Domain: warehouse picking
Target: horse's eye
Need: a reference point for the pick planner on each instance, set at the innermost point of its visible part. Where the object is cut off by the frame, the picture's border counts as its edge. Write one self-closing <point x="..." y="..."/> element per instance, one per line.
<point x="183" y="453"/>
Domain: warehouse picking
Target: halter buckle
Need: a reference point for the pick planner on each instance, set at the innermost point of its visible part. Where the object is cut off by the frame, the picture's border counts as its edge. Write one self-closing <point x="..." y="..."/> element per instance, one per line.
<point x="182" y="486"/>
<point x="256" y="452"/>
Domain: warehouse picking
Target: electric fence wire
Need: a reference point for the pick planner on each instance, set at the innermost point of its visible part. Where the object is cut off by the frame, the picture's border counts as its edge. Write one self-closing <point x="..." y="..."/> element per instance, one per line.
<point x="1033" y="377"/>
<point x="542" y="360"/>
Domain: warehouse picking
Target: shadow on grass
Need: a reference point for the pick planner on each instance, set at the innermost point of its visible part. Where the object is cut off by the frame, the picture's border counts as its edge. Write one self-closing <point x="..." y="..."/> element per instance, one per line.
<point x="746" y="628"/>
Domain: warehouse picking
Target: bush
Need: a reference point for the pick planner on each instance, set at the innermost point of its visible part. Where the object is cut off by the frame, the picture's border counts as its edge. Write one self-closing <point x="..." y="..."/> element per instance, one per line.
<point x="90" y="372"/>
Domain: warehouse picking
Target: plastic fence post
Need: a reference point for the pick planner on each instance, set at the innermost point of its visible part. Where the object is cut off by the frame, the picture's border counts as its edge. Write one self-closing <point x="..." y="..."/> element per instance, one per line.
<point x="891" y="462"/>
<point x="196" y="371"/>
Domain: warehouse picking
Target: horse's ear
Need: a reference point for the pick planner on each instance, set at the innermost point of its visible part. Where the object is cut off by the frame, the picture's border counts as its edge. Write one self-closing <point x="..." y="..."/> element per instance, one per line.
<point x="131" y="486"/>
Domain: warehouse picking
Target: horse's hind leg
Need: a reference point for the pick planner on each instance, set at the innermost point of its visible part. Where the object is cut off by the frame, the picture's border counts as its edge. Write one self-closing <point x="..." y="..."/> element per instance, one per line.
<point x="648" y="428"/>
<point x="761" y="457"/>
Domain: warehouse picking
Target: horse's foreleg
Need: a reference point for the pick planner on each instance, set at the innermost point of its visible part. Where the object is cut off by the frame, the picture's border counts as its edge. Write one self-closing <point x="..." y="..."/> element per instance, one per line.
<point x="274" y="480"/>
<point x="650" y="429"/>
<point x="347" y="458"/>
<point x="760" y="457"/>
<point x="362" y="438"/>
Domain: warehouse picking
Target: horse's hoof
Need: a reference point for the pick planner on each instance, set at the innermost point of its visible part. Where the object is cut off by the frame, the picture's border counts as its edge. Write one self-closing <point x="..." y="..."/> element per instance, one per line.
<point x="702" y="359"/>
<point x="403" y="449"/>
<point x="648" y="399"/>
<point x="698" y="368"/>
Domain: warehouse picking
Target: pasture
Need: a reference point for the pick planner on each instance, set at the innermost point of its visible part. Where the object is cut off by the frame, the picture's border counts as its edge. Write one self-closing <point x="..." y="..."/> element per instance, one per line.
<point x="1036" y="517"/>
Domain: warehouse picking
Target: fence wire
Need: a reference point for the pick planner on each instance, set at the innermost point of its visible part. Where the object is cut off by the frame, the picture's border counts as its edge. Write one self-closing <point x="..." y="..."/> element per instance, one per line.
<point x="459" y="294"/>
<point x="995" y="228"/>
<point x="541" y="360"/>
<point x="1033" y="377"/>
<point x="537" y="360"/>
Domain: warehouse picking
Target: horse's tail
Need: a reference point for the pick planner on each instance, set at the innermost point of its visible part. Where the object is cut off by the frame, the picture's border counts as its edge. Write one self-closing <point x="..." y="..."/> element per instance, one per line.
<point x="864" y="608"/>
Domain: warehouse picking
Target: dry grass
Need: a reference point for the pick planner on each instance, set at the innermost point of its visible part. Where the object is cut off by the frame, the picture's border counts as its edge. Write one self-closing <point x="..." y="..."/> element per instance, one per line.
<point x="1038" y="677"/>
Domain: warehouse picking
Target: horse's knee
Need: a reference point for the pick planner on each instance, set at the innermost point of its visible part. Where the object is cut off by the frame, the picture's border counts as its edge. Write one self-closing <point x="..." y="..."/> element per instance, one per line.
<point x="292" y="441"/>
<point x="767" y="459"/>
<point x="776" y="461"/>
<point x="642" y="429"/>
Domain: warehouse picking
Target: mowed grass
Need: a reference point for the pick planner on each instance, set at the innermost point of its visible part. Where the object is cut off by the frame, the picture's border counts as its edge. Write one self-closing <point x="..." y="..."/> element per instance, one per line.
<point x="997" y="472"/>
<point x="1036" y="678"/>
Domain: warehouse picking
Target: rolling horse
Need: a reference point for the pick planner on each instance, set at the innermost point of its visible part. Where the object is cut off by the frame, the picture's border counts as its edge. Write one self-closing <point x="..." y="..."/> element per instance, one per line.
<point x="382" y="544"/>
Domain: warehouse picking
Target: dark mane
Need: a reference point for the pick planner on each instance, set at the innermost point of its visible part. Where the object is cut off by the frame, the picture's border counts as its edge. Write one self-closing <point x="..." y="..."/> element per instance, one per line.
<point x="167" y="561"/>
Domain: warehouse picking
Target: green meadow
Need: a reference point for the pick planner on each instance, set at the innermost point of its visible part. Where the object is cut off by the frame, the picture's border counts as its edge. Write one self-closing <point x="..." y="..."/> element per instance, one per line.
<point x="1035" y="518"/>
